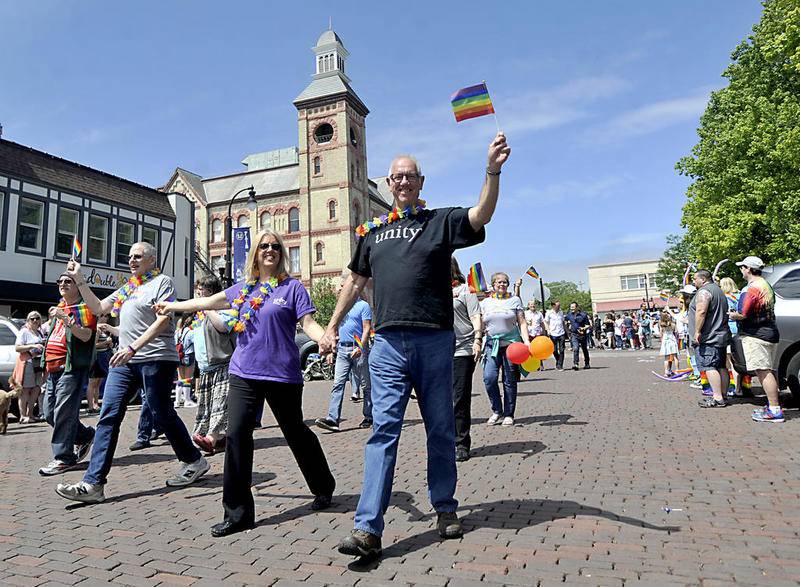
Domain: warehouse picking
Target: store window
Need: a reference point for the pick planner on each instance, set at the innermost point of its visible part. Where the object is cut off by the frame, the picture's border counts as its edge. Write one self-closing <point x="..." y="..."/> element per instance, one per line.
<point x="30" y="217"/>
<point x="68" y="228"/>
<point x="98" y="239"/>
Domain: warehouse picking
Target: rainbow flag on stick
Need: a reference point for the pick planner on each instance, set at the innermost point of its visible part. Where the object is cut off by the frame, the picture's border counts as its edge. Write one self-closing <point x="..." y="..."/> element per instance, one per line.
<point x="664" y="295"/>
<point x="471" y="102"/>
<point x="76" y="248"/>
<point x="358" y="341"/>
<point x="532" y="272"/>
<point x="476" y="280"/>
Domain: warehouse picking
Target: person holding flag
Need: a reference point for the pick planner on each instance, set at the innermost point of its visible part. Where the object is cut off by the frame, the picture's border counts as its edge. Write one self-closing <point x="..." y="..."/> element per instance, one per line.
<point x="351" y="363"/>
<point x="68" y="356"/>
<point x="146" y="360"/>
<point x="407" y="254"/>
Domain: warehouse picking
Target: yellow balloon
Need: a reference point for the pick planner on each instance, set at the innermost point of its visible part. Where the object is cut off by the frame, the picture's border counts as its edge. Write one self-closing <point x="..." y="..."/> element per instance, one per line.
<point x="531" y="365"/>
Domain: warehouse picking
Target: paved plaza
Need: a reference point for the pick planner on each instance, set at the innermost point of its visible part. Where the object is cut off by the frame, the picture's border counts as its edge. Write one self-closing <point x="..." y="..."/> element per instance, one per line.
<point x="574" y="493"/>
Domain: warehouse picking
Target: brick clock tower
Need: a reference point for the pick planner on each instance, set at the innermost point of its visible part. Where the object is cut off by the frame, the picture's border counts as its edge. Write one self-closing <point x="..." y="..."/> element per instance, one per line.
<point x="334" y="189"/>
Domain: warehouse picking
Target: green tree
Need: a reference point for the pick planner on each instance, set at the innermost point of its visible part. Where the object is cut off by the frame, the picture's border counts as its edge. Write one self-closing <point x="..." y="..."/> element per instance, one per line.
<point x="745" y="194"/>
<point x="673" y="263"/>
<point x="567" y="292"/>
<point x="323" y="294"/>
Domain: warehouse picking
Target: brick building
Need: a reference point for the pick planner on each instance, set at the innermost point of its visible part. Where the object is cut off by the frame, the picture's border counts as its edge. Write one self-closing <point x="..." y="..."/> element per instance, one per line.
<point x="313" y="194"/>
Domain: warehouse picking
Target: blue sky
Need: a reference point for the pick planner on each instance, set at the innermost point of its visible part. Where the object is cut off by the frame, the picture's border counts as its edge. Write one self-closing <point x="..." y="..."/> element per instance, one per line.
<point x="598" y="100"/>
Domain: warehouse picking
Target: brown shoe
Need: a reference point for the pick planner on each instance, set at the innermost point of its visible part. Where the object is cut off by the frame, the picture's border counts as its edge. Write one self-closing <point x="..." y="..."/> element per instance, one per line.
<point x="361" y="543"/>
<point x="448" y="525"/>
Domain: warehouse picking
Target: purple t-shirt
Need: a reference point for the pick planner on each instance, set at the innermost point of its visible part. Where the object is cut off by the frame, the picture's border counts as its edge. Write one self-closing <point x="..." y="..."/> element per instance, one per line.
<point x="266" y="349"/>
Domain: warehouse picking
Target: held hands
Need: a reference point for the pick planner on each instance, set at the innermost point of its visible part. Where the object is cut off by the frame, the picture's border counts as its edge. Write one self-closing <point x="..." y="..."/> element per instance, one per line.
<point x="328" y="342"/>
<point x="499" y="152"/>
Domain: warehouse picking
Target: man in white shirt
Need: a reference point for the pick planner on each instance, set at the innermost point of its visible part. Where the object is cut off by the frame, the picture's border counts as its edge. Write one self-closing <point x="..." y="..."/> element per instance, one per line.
<point x="554" y="324"/>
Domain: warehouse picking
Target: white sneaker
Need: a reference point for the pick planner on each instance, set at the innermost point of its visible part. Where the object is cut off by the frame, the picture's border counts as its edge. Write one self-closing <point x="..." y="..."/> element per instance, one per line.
<point x="85" y="492"/>
<point x="508" y="421"/>
<point x="189" y="473"/>
<point x="493" y="419"/>
<point x="189" y="404"/>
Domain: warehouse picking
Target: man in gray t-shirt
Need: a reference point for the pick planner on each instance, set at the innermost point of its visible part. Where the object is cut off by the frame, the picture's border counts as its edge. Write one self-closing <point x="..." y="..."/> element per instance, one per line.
<point x="146" y="360"/>
<point x="710" y="335"/>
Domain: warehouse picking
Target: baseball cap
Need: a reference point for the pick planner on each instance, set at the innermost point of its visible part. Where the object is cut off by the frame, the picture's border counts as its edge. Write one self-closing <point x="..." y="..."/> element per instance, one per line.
<point x="752" y="262"/>
<point x="689" y="289"/>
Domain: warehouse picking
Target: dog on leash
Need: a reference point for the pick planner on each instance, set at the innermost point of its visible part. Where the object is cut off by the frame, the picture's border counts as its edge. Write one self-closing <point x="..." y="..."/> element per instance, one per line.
<point x="5" y="402"/>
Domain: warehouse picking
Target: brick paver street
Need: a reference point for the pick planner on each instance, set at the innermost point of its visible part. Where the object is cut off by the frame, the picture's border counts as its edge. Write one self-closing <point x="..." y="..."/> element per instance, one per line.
<point x="573" y="493"/>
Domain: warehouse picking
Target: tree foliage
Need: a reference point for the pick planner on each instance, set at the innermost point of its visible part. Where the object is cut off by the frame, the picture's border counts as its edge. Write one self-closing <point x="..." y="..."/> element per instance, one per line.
<point x="673" y="263"/>
<point x="745" y="194"/>
<point x="323" y="294"/>
<point x="567" y="292"/>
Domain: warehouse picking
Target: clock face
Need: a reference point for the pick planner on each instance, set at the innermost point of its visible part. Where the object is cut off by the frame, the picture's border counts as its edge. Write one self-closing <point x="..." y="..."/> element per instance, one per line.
<point x="323" y="133"/>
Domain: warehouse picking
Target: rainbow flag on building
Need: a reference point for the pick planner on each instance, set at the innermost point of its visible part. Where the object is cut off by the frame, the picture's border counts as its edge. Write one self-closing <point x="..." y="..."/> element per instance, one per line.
<point x="471" y="102"/>
<point x="476" y="280"/>
<point x="76" y="248"/>
<point x="532" y="272"/>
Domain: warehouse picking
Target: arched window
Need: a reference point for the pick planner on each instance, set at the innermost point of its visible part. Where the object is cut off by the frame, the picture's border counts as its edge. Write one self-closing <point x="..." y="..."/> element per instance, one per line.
<point x="318" y="249"/>
<point x="294" y="220"/>
<point x="265" y="222"/>
<point x="317" y="165"/>
<point x="216" y="230"/>
<point x="332" y="210"/>
<point x="323" y="133"/>
<point x="243" y="221"/>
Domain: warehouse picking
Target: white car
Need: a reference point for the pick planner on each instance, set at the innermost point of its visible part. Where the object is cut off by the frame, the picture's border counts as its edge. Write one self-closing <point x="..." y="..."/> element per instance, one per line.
<point x="8" y="339"/>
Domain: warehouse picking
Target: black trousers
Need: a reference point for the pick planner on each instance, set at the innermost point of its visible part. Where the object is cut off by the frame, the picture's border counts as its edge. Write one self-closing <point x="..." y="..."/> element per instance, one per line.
<point x="463" y="368"/>
<point x="245" y="399"/>
<point x="559" y="344"/>
<point x="579" y="340"/>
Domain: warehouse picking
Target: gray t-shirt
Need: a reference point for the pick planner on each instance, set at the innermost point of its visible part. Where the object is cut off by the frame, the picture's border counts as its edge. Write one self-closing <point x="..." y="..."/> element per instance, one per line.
<point x="501" y="316"/>
<point x="465" y="305"/>
<point x="136" y="316"/>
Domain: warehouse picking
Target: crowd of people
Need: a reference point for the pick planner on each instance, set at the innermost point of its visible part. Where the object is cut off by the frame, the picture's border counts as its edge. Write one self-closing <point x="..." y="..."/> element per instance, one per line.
<point x="420" y="335"/>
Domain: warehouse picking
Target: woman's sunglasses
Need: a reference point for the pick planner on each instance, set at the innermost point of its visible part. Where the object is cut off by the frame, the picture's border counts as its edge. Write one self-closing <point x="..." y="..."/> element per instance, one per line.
<point x="266" y="246"/>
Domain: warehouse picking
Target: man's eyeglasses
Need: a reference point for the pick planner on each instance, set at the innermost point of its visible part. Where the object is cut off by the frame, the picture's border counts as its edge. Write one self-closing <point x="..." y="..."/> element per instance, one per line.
<point x="64" y="282"/>
<point x="135" y="257"/>
<point x="410" y="177"/>
<point x="267" y="246"/>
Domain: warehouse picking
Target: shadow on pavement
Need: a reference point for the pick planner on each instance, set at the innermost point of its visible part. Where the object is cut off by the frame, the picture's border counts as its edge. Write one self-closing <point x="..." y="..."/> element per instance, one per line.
<point x="515" y="514"/>
<point x="526" y="448"/>
<point x="550" y="420"/>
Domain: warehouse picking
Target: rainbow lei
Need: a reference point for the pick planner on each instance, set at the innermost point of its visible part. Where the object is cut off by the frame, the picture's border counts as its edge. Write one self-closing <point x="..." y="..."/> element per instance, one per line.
<point x="264" y="289"/>
<point x="499" y="296"/>
<point x="122" y="294"/>
<point x="198" y="320"/>
<point x="393" y="216"/>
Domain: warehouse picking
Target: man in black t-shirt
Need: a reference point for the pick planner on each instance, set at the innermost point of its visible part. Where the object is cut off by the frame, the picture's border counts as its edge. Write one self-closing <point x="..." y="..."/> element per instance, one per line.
<point x="407" y="254"/>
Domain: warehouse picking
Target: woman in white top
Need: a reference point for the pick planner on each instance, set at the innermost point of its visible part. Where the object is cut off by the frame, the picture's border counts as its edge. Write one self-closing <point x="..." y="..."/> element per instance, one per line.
<point x="29" y="346"/>
<point x="504" y="322"/>
<point x="535" y="320"/>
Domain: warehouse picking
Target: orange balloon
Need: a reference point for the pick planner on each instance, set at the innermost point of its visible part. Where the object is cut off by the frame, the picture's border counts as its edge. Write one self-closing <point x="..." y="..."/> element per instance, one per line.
<point x="542" y="347"/>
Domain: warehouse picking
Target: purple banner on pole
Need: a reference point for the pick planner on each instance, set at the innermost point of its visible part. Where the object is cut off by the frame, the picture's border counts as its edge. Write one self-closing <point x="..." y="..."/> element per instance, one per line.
<point x="241" y="246"/>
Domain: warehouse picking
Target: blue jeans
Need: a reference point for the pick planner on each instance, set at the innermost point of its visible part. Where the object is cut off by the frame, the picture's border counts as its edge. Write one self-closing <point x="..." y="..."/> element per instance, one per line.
<point x="155" y="380"/>
<point x="354" y="369"/>
<point x="491" y="375"/>
<point x="400" y="359"/>
<point x="147" y="422"/>
<point x="62" y="404"/>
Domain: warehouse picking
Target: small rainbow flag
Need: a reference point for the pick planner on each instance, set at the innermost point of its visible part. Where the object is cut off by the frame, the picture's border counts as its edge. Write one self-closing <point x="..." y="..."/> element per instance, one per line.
<point x="82" y="315"/>
<point x="476" y="280"/>
<point x="358" y="341"/>
<point x="664" y="295"/>
<point x="76" y="248"/>
<point x="532" y="272"/>
<point x="471" y="102"/>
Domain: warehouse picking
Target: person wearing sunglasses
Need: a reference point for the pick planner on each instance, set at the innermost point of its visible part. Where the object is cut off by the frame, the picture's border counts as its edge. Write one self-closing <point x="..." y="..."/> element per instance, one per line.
<point x="266" y="307"/>
<point x="407" y="254"/>
<point x="146" y="360"/>
<point x="67" y="358"/>
<point x="29" y="346"/>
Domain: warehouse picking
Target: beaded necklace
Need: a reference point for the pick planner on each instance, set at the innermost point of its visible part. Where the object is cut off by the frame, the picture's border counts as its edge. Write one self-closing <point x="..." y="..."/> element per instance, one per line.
<point x="199" y="316"/>
<point x="265" y="288"/>
<point x="122" y="294"/>
<point x="393" y="216"/>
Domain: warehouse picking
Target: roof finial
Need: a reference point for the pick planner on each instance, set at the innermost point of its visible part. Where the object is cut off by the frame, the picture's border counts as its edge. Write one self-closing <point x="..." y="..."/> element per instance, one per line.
<point x="330" y="23"/>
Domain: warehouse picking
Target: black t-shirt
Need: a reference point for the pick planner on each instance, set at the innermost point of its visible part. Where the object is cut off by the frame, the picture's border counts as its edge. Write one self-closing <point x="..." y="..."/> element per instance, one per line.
<point x="409" y="262"/>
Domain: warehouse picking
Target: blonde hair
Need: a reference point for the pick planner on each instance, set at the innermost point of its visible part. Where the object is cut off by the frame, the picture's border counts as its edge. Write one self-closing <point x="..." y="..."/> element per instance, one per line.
<point x="498" y="274"/>
<point x="251" y="265"/>
<point x="728" y="285"/>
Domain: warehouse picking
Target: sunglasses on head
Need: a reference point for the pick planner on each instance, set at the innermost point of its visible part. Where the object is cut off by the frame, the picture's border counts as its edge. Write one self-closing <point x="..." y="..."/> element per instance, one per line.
<point x="266" y="246"/>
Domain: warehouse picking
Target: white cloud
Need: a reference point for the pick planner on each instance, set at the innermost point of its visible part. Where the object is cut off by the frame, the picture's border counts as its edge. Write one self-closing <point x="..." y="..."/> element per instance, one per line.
<point x="568" y="190"/>
<point x="650" y="118"/>
<point x="637" y="239"/>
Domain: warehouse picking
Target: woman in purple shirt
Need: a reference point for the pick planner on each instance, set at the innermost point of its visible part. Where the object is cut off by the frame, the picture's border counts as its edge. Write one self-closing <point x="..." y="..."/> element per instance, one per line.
<point x="265" y="365"/>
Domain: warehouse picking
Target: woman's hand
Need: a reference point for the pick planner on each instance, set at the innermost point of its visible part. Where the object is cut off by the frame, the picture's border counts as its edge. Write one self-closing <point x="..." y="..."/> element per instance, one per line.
<point x="74" y="271"/>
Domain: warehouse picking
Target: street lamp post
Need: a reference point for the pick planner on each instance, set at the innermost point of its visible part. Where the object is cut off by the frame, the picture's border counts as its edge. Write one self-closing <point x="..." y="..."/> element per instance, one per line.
<point x="251" y="205"/>
<point x="646" y="293"/>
